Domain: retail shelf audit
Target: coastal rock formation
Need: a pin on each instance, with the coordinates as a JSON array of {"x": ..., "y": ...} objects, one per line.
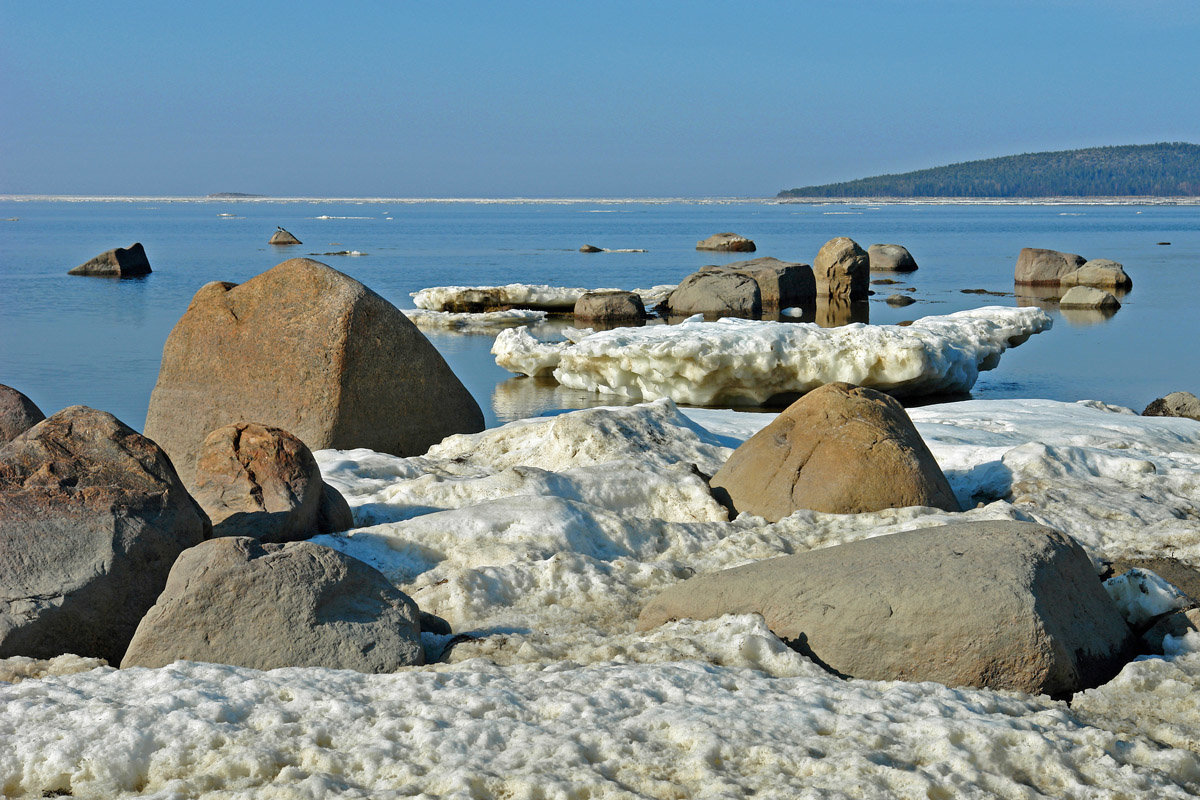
[
  {"x": 264, "y": 483},
  {"x": 17, "y": 414},
  {"x": 891, "y": 258},
  {"x": 727, "y": 242},
  {"x": 1025, "y": 611},
  {"x": 92, "y": 515},
  {"x": 842, "y": 269},
  {"x": 841, "y": 449},
  {"x": 304, "y": 348},
  {"x": 732, "y": 289},
  {"x": 899, "y": 300},
  {"x": 610, "y": 307},
  {"x": 242, "y": 602},
  {"x": 1176, "y": 404},
  {"x": 1101, "y": 273},
  {"x": 1088, "y": 297},
  {"x": 1036, "y": 266},
  {"x": 121, "y": 262},
  {"x": 283, "y": 237}
]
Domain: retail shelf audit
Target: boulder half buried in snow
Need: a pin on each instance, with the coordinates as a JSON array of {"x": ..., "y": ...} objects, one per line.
[
  {"x": 1002, "y": 605},
  {"x": 304, "y": 348},
  {"x": 841, "y": 449}
]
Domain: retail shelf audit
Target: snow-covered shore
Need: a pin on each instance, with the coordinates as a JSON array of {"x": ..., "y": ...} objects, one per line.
[{"x": 541, "y": 540}]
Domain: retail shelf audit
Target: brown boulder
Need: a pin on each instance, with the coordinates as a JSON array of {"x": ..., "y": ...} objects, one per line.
[
  {"x": 610, "y": 307},
  {"x": 841, "y": 449},
  {"x": 120, "y": 262},
  {"x": 304, "y": 348},
  {"x": 842, "y": 269},
  {"x": 1175, "y": 404},
  {"x": 1101, "y": 273},
  {"x": 283, "y": 237},
  {"x": 92, "y": 515},
  {"x": 727, "y": 242},
  {"x": 1045, "y": 267},
  {"x": 17, "y": 414},
  {"x": 264, "y": 483},
  {"x": 1002, "y": 605}
]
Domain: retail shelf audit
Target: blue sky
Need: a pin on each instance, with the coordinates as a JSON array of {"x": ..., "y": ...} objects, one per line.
[{"x": 571, "y": 99}]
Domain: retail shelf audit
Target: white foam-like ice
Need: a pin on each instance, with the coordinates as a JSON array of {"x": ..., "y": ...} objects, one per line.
[
  {"x": 748, "y": 361},
  {"x": 525, "y": 295},
  {"x": 484, "y": 322}
]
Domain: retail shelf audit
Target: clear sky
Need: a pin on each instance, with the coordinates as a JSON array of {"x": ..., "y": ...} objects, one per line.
[{"x": 458, "y": 99}]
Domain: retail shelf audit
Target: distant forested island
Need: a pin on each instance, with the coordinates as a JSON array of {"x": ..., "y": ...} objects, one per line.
[{"x": 1168, "y": 169}]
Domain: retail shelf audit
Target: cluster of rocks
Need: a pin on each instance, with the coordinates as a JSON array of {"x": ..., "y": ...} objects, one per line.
[
  {"x": 115, "y": 547},
  {"x": 1079, "y": 282}
]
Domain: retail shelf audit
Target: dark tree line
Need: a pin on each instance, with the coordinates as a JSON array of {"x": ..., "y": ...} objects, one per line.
[{"x": 1162, "y": 170}]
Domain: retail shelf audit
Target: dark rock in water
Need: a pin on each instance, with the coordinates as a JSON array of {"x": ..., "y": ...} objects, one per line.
[
  {"x": 282, "y": 237},
  {"x": 304, "y": 348},
  {"x": 985, "y": 291},
  {"x": 884, "y": 282},
  {"x": 589, "y": 248},
  {"x": 1046, "y": 267},
  {"x": 1023, "y": 610},
  {"x": 1162, "y": 243},
  {"x": 92, "y": 515},
  {"x": 17, "y": 414},
  {"x": 899, "y": 300},
  {"x": 265, "y": 606},
  {"x": 743, "y": 289},
  {"x": 782, "y": 284},
  {"x": 842, "y": 270},
  {"x": 891, "y": 258},
  {"x": 609, "y": 307},
  {"x": 727, "y": 242},
  {"x": 841, "y": 449},
  {"x": 264, "y": 483},
  {"x": 120, "y": 262},
  {"x": 1176, "y": 404}
]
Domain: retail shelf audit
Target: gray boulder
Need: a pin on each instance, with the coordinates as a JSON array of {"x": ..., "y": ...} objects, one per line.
[
  {"x": 92, "y": 515},
  {"x": 262, "y": 482},
  {"x": 17, "y": 414},
  {"x": 1046, "y": 267},
  {"x": 304, "y": 348},
  {"x": 842, "y": 269},
  {"x": 891, "y": 258},
  {"x": 1002, "y": 605},
  {"x": 841, "y": 449},
  {"x": 1176, "y": 404},
  {"x": 781, "y": 284},
  {"x": 591, "y": 248},
  {"x": 610, "y": 307},
  {"x": 1088, "y": 297},
  {"x": 727, "y": 242},
  {"x": 121, "y": 262},
  {"x": 242, "y": 602},
  {"x": 282, "y": 237},
  {"x": 1100, "y": 273},
  {"x": 899, "y": 300},
  {"x": 716, "y": 293}
]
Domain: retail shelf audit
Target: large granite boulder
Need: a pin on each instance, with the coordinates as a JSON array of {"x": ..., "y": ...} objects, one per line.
[
  {"x": 121, "y": 262},
  {"x": 304, "y": 348},
  {"x": 716, "y": 293},
  {"x": 1101, "y": 273},
  {"x": 92, "y": 515},
  {"x": 242, "y": 602},
  {"x": 1088, "y": 297},
  {"x": 610, "y": 307},
  {"x": 1001, "y": 605},
  {"x": 282, "y": 237},
  {"x": 1176, "y": 404},
  {"x": 842, "y": 269},
  {"x": 781, "y": 284},
  {"x": 841, "y": 449},
  {"x": 727, "y": 242},
  {"x": 1036, "y": 266},
  {"x": 262, "y": 482},
  {"x": 891, "y": 258},
  {"x": 17, "y": 413}
]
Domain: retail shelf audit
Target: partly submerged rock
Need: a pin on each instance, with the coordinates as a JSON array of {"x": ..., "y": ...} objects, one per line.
[
  {"x": 304, "y": 348},
  {"x": 17, "y": 414},
  {"x": 1101, "y": 273},
  {"x": 120, "y": 262},
  {"x": 743, "y": 289},
  {"x": 1045, "y": 267},
  {"x": 841, "y": 449},
  {"x": 92, "y": 515},
  {"x": 591, "y": 248},
  {"x": 610, "y": 307},
  {"x": 262, "y": 482},
  {"x": 899, "y": 300},
  {"x": 727, "y": 242},
  {"x": 283, "y": 237},
  {"x": 1088, "y": 297},
  {"x": 891, "y": 258},
  {"x": 1002, "y": 605},
  {"x": 242, "y": 602},
  {"x": 842, "y": 269},
  {"x": 1176, "y": 404}
]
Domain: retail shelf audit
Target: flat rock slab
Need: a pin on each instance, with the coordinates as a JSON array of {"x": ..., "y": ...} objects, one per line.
[
  {"x": 120, "y": 262},
  {"x": 1088, "y": 297},
  {"x": 1001, "y": 605},
  {"x": 92, "y": 515},
  {"x": 264, "y": 606}
]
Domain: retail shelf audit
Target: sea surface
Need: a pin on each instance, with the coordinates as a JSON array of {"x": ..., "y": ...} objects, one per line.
[{"x": 66, "y": 340}]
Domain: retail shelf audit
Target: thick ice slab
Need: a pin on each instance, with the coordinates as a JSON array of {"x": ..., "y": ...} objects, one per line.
[
  {"x": 485, "y": 322},
  {"x": 745, "y": 361},
  {"x": 524, "y": 295}
]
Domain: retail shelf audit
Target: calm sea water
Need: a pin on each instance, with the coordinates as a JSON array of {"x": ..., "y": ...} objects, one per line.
[{"x": 67, "y": 340}]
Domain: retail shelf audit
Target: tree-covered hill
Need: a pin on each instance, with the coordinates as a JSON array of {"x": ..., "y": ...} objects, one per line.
[{"x": 1162, "y": 170}]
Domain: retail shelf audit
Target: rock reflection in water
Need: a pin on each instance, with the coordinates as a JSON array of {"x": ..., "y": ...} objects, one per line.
[
  {"x": 1083, "y": 317},
  {"x": 834, "y": 312}
]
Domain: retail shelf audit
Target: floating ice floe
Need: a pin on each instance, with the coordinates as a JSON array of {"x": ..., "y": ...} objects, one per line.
[
  {"x": 485, "y": 322},
  {"x": 739, "y": 361},
  {"x": 523, "y": 295},
  {"x": 543, "y": 538}
]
